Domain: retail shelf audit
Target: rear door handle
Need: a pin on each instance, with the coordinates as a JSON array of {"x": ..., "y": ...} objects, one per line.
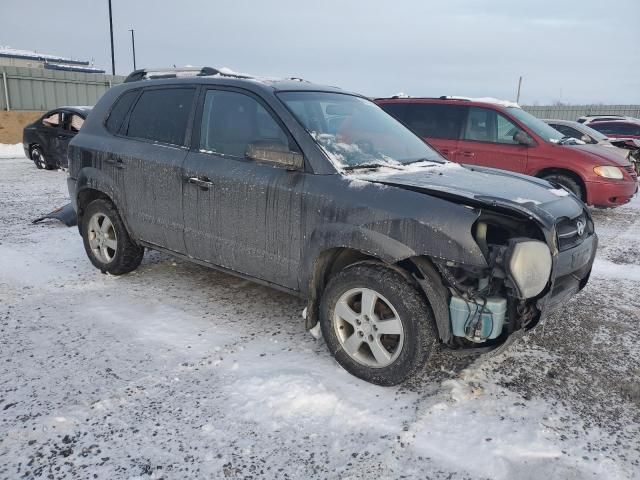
[
  {"x": 117, "y": 162},
  {"x": 203, "y": 182},
  {"x": 468, "y": 154}
]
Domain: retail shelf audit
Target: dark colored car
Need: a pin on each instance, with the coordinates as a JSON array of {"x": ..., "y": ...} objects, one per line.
[
  {"x": 46, "y": 140},
  {"x": 320, "y": 193},
  {"x": 500, "y": 134},
  {"x": 617, "y": 128}
]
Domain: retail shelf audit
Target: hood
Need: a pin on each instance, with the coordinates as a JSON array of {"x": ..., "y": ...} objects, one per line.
[
  {"x": 526, "y": 195},
  {"x": 604, "y": 155}
]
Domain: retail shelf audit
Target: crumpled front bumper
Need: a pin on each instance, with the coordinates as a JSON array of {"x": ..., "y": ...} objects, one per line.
[{"x": 571, "y": 271}]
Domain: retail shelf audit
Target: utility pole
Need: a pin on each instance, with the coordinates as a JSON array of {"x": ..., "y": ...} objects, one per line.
[
  {"x": 113, "y": 58},
  {"x": 133, "y": 47},
  {"x": 519, "y": 85}
]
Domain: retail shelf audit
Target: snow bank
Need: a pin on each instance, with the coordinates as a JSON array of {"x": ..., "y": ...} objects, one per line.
[{"x": 11, "y": 151}]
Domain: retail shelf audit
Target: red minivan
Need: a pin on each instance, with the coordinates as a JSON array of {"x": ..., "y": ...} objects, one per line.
[{"x": 499, "y": 134}]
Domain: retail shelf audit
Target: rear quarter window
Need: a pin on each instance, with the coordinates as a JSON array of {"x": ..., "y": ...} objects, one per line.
[
  {"x": 119, "y": 111},
  {"x": 161, "y": 115}
]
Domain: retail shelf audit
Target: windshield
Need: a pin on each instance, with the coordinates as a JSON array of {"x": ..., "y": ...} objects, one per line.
[
  {"x": 598, "y": 136},
  {"x": 355, "y": 132},
  {"x": 540, "y": 128}
]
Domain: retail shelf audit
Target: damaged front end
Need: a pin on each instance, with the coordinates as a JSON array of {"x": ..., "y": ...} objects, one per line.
[{"x": 533, "y": 265}]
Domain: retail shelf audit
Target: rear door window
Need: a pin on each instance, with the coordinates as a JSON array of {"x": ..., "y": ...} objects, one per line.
[
  {"x": 434, "y": 120},
  {"x": 231, "y": 121},
  {"x": 76, "y": 123},
  {"x": 161, "y": 115}
]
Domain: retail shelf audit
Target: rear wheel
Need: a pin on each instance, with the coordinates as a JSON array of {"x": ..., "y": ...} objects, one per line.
[
  {"x": 39, "y": 159},
  {"x": 376, "y": 324},
  {"x": 567, "y": 182},
  {"x": 107, "y": 241}
]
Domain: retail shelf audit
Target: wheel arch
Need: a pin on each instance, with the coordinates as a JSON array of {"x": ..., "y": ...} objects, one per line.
[
  {"x": 92, "y": 184},
  {"x": 564, "y": 171},
  {"x": 417, "y": 270}
]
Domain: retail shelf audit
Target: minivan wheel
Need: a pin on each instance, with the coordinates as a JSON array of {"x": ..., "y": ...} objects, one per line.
[
  {"x": 376, "y": 324},
  {"x": 567, "y": 182},
  {"x": 39, "y": 159},
  {"x": 107, "y": 241}
]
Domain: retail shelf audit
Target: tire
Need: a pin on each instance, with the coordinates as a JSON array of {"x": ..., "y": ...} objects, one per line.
[
  {"x": 107, "y": 241},
  {"x": 568, "y": 182},
  {"x": 411, "y": 332},
  {"x": 39, "y": 159}
]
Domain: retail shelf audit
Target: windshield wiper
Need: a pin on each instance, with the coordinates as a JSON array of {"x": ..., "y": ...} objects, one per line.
[
  {"x": 370, "y": 166},
  {"x": 421, "y": 160}
]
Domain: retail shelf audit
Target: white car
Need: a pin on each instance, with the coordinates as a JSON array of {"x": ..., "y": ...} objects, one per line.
[{"x": 601, "y": 118}]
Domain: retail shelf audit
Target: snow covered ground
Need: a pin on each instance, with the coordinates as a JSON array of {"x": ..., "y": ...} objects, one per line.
[{"x": 176, "y": 371}]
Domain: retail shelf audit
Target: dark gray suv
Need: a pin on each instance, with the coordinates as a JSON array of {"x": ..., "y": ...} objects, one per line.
[{"x": 320, "y": 193}]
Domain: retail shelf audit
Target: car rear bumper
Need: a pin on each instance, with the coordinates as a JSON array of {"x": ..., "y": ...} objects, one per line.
[{"x": 610, "y": 194}]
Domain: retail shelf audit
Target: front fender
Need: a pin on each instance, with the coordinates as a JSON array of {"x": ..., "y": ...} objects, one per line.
[{"x": 380, "y": 240}]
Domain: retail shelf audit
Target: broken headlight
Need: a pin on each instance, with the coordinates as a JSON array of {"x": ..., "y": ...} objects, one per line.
[{"x": 529, "y": 265}]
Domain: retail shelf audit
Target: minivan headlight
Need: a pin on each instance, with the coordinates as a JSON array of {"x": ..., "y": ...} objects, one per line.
[
  {"x": 529, "y": 265},
  {"x": 608, "y": 172}
]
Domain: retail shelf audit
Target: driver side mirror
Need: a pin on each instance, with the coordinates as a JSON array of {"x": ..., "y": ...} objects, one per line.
[
  {"x": 523, "y": 138},
  {"x": 275, "y": 153}
]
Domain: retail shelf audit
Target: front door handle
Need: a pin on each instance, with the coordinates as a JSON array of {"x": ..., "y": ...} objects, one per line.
[
  {"x": 468, "y": 154},
  {"x": 203, "y": 182}
]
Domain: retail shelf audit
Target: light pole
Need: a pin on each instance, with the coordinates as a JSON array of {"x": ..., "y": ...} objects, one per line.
[
  {"x": 113, "y": 58},
  {"x": 133, "y": 47}
]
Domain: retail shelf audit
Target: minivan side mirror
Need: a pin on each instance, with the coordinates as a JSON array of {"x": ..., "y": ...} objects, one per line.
[
  {"x": 275, "y": 153},
  {"x": 523, "y": 138}
]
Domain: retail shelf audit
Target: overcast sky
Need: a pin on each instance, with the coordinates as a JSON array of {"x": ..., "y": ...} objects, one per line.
[{"x": 577, "y": 51}]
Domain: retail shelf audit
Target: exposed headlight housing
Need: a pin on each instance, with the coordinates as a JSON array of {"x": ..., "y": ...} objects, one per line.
[
  {"x": 529, "y": 265},
  {"x": 608, "y": 172}
]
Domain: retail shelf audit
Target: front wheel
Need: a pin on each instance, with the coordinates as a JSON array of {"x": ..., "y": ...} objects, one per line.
[
  {"x": 567, "y": 182},
  {"x": 107, "y": 241},
  {"x": 376, "y": 324}
]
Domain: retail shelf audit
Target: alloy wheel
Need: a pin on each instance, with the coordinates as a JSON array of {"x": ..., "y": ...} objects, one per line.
[
  {"x": 368, "y": 327},
  {"x": 102, "y": 237}
]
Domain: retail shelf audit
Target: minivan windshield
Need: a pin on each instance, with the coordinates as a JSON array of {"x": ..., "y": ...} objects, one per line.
[
  {"x": 355, "y": 132},
  {"x": 547, "y": 132}
]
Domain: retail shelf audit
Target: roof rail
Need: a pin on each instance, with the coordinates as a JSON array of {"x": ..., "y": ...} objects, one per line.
[{"x": 155, "y": 74}]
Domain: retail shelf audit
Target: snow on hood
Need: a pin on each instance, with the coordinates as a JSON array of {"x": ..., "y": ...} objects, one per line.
[{"x": 480, "y": 184}]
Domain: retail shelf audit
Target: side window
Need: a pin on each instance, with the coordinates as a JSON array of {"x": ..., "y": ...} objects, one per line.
[
  {"x": 506, "y": 129},
  {"x": 396, "y": 110},
  {"x": 486, "y": 125},
  {"x": 76, "y": 123},
  {"x": 231, "y": 121},
  {"x": 435, "y": 121},
  {"x": 52, "y": 120},
  {"x": 568, "y": 131},
  {"x": 161, "y": 115},
  {"x": 119, "y": 111}
]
